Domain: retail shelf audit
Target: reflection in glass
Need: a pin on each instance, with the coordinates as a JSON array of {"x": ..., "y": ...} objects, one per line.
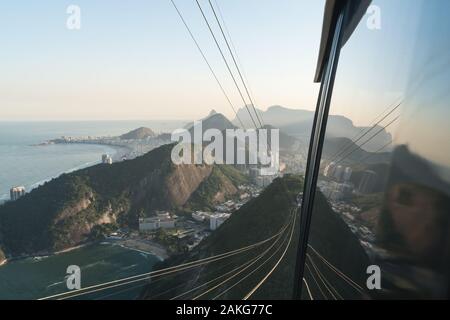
[{"x": 383, "y": 193}]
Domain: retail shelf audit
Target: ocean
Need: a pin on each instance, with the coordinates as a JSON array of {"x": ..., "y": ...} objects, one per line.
[
  {"x": 35, "y": 278},
  {"x": 24, "y": 163}
]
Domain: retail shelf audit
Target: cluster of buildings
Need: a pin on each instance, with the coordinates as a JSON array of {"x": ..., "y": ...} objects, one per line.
[
  {"x": 217, "y": 219},
  {"x": 161, "y": 220},
  {"x": 349, "y": 213},
  {"x": 293, "y": 163},
  {"x": 339, "y": 191},
  {"x": 367, "y": 182},
  {"x": 16, "y": 192},
  {"x": 336, "y": 191},
  {"x": 224, "y": 210},
  {"x": 261, "y": 180},
  {"x": 214, "y": 219},
  {"x": 337, "y": 172},
  {"x": 185, "y": 233},
  {"x": 339, "y": 187}
]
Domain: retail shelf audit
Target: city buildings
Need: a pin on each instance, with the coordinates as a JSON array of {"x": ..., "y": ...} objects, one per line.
[
  {"x": 347, "y": 174},
  {"x": 217, "y": 219},
  {"x": 336, "y": 191},
  {"x": 367, "y": 182},
  {"x": 329, "y": 170},
  {"x": 259, "y": 179},
  {"x": 16, "y": 192},
  {"x": 162, "y": 220},
  {"x": 200, "y": 216},
  {"x": 337, "y": 172}
]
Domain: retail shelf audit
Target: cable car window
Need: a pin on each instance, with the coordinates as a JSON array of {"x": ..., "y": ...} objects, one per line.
[{"x": 380, "y": 219}]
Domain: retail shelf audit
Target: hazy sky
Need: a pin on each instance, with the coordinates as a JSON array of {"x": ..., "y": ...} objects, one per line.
[
  {"x": 406, "y": 60},
  {"x": 134, "y": 59}
]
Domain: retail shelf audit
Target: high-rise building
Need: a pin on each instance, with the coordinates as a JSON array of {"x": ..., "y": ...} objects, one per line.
[
  {"x": 338, "y": 173},
  {"x": 367, "y": 183},
  {"x": 329, "y": 170},
  {"x": 16, "y": 192},
  {"x": 347, "y": 174},
  {"x": 106, "y": 159},
  {"x": 162, "y": 220},
  {"x": 217, "y": 219}
]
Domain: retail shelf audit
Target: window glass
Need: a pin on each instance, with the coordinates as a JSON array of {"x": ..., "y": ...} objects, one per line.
[
  {"x": 380, "y": 220},
  {"x": 102, "y": 110}
]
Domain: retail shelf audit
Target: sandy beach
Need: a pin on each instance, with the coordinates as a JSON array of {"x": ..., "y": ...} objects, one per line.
[{"x": 145, "y": 246}]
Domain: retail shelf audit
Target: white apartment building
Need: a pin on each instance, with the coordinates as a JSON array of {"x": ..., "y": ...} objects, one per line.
[
  {"x": 106, "y": 159},
  {"x": 217, "y": 219},
  {"x": 16, "y": 192},
  {"x": 161, "y": 221}
]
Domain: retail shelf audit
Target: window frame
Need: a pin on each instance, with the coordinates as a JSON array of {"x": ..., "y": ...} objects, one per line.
[{"x": 340, "y": 20}]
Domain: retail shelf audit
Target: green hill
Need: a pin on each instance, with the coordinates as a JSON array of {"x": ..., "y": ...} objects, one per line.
[
  {"x": 139, "y": 133},
  {"x": 260, "y": 219},
  {"x": 65, "y": 211}
]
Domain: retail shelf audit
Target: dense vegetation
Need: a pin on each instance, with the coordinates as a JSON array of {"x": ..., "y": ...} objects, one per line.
[
  {"x": 64, "y": 211},
  {"x": 259, "y": 219},
  {"x": 222, "y": 181},
  {"x": 139, "y": 133}
]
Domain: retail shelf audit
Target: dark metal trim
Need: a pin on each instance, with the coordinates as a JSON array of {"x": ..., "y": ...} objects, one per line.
[
  {"x": 315, "y": 148},
  {"x": 329, "y": 22},
  {"x": 356, "y": 10}
]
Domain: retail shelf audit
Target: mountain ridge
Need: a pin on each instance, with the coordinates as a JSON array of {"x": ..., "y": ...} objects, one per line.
[
  {"x": 62, "y": 213},
  {"x": 139, "y": 133},
  {"x": 298, "y": 124}
]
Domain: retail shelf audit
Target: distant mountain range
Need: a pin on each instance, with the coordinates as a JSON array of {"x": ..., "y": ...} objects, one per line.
[
  {"x": 63, "y": 212},
  {"x": 213, "y": 121},
  {"x": 218, "y": 121},
  {"x": 346, "y": 151},
  {"x": 139, "y": 133},
  {"x": 298, "y": 123}
]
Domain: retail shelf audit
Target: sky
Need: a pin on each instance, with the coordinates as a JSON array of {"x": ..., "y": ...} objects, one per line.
[
  {"x": 406, "y": 60},
  {"x": 134, "y": 59}
]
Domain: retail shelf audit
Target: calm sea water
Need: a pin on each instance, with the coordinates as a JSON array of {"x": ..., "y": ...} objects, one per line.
[
  {"x": 35, "y": 278},
  {"x": 21, "y": 163}
]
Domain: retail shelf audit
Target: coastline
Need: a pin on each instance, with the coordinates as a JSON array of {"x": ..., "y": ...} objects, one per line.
[
  {"x": 144, "y": 246},
  {"x": 119, "y": 153},
  {"x": 135, "y": 244},
  {"x": 72, "y": 248},
  {"x": 45, "y": 254}
]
